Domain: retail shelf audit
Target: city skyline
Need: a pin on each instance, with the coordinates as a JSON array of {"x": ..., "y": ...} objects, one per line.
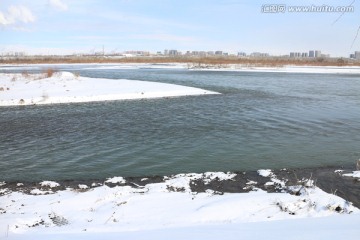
[{"x": 67, "y": 27}]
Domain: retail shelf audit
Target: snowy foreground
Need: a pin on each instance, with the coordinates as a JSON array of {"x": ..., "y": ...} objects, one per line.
[
  {"x": 65, "y": 87},
  {"x": 170, "y": 210}
]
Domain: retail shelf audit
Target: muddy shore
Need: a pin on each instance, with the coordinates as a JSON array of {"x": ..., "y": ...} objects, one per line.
[{"x": 329, "y": 179}]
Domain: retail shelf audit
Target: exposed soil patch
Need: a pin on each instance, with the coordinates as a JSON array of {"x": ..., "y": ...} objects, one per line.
[{"x": 325, "y": 178}]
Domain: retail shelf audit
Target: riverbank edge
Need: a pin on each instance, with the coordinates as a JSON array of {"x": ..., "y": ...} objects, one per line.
[{"x": 330, "y": 179}]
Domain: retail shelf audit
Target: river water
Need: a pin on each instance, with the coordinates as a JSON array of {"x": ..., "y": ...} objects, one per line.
[{"x": 260, "y": 120}]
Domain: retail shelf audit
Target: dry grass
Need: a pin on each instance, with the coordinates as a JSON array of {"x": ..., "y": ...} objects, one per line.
[
  {"x": 49, "y": 72},
  {"x": 193, "y": 60}
]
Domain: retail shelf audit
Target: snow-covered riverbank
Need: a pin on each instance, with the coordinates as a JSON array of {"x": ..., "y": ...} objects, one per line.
[
  {"x": 65, "y": 87},
  {"x": 171, "y": 209}
]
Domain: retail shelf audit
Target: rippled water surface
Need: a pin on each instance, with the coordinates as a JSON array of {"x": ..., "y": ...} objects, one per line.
[{"x": 261, "y": 120}]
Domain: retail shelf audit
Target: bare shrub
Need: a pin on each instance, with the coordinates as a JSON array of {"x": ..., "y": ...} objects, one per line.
[{"x": 49, "y": 72}]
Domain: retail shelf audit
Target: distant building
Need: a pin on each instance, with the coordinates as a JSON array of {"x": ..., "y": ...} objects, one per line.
[
  {"x": 19, "y": 54},
  {"x": 352, "y": 56},
  {"x": 218, "y": 53},
  {"x": 357, "y": 55},
  {"x": 210, "y": 53},
  {"x": 166, "y": 52},
  {"x": 202, "y": 53},
  {"x": 297, "y": 54},
  {"x": 304, "y": 55},
  {"x": 317, "y": 54},
  {"x": 136, "y": 53},
  {"x": 311, "y": 54},
  {"x": 241, "y": 54},
  {"x": 259, "y": 54},
  {"x": 173, "y": 52}
]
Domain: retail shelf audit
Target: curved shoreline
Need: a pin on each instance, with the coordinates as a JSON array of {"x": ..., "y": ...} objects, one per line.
[
  {"x": 329, "y": 179},
  {"x": 184, "y": 200},
  {"x": 65, "y": 87},
  {"x": 288, "y": 68}
]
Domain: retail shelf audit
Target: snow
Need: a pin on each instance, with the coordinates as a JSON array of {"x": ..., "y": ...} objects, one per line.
[
  {"x": 337, "y": 227},
  {"x": 280, "y": 184},
  {"x": 227, "y": 67},
  {"x": 265, "y": 172},
  {"x": 210, "y": 176},
  {"x": 251, "y": 183},
  {"x": 354, "y": 174},
  {"x": 139, "y": 66},
  {"x": 116, "y": 180},
  {"x": 269, "y": 184},
  {"x": 50, "y": 184},
  {"x": 4, "y": 191},
  {"x": 170, "y": 208},
  {"x": 83, "y": 186},
  {"x": 65, "y": 87},
  {"x": 40, "y": 192},
  {"x": 282, "y": 69}
]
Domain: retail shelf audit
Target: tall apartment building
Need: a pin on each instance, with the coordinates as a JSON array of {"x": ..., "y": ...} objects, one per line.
[
  {"x": 312, "y": 53},
  {"x": 357, "y": 55},
  {"x": 298, "y": 55},
  {"x": 173, "y": 52},
  {"x": 318, "y": 54}
]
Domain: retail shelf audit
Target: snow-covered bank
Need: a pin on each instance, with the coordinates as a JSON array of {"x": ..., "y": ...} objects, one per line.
[
  {"x": 171, "y": 208},
  {"x": 354, "y": 174},
  {"x": 65, "y": 87},
  {"x": 281, "y": 69},
  {"x": 233, "y": 67},
  {"x": 190, "y": 66}
]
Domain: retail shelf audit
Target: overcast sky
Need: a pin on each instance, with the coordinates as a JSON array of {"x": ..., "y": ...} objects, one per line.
[{"x": 67, "y": 26}]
